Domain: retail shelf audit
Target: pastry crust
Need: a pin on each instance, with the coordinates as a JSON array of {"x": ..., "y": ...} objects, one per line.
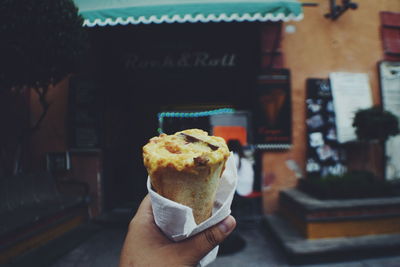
[{"x": 186, "y": 167}]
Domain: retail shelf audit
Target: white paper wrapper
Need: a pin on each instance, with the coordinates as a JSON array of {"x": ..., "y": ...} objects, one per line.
[{"x": 177, "y": 221}]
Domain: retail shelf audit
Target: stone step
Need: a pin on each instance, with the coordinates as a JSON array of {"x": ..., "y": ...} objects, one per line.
[
  {"x": 300, "y": 250},
  {"x": 306, "y": 204}
]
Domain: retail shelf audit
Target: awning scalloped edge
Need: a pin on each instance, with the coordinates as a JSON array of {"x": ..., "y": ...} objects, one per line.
[{"x": 193, "y": 19}]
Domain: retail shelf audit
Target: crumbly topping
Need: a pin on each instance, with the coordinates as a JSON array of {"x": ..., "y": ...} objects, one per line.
[{"x": 184, "y": 150}]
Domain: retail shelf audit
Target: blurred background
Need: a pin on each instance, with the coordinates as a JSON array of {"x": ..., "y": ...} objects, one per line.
[{"x": 309, "y": 91}]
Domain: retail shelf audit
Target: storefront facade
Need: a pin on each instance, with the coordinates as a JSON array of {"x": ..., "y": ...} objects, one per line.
[{"x": 311, "y": 48}]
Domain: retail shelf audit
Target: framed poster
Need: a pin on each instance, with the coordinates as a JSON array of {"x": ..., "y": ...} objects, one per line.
[
  {"x": 272, "y": 110},
  {"x": 389, "y": 78},
  {"x": 84, "y": 113},
  {"x": 325, "y": 156}
]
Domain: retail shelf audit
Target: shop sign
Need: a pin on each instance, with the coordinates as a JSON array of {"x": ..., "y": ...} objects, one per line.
[{"x": 201, "y": 59}]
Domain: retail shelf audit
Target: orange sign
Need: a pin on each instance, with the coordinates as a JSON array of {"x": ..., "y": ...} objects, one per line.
[{"x": 231, "y": 132}]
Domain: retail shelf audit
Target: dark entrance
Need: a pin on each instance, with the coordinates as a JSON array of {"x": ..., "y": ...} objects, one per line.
[{"x": 142, "y": 70}]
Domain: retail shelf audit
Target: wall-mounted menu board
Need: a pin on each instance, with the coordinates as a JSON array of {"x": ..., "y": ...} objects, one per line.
[
  {"x": 389, "y": 74},
  {"x": 324, "y": 154},
  {"x": 351, "y": 92},
  {"x": 272, "y": 110}
]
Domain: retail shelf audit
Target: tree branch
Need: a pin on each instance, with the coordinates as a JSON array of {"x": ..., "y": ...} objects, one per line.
[{"x": 42, "y": 92}]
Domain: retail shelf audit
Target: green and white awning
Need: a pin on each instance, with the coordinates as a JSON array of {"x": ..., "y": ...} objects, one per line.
[{"x": 123, "y": 12}]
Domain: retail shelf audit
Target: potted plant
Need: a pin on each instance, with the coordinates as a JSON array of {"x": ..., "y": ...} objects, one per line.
[{"x": 373, "y": 126}]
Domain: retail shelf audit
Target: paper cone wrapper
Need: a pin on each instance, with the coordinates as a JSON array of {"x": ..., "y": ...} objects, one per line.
[{"x": 178, "y": 222}]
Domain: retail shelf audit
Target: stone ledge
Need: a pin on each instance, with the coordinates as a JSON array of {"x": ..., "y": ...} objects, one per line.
[
  {"x": 309, "y": 209},
  {"x": 313, "y": 204},
  {"x": 300, "y": 250}
]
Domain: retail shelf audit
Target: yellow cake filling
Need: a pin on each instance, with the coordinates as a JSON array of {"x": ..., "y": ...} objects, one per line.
[{"x": 184, "y": 150}]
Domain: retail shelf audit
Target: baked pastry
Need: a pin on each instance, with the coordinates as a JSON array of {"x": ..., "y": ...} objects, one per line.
[{"x": 186, "y": 168}]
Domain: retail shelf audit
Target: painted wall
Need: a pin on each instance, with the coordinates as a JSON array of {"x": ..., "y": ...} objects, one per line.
[{"x": 317, "y": 47}]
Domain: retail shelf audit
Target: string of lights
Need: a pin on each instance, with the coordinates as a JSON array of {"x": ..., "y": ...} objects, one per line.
[{"x": 198, "y": 114}]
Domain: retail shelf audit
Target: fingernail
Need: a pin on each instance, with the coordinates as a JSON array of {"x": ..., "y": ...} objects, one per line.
[{"x": 227, "y": 224}]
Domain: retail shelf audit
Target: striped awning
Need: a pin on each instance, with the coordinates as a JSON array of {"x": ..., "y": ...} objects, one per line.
[{"x": 123, "y": 12}]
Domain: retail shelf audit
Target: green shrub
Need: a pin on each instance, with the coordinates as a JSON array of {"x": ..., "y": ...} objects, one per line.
[
  {"x": 354, "y": 184},
  {"x": 375, "y": 124}
]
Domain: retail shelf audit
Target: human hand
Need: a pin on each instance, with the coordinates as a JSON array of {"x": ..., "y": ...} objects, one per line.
[{"x": 146, "y": 245}]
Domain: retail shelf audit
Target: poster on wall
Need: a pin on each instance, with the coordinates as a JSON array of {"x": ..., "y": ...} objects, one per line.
[
  {"x": 324, "y": 153},
  {"x": 272, "y": 110},
  {"x": 84, "y": 116},
  {"x": 350, "y": 92},
  {"x": 389, "y": 74}
]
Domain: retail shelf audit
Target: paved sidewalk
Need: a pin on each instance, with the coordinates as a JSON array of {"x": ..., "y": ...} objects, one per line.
[{"x": 103, "y": 248}]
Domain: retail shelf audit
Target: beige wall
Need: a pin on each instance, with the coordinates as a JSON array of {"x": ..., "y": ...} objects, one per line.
[{"x": 317, "y": 47}]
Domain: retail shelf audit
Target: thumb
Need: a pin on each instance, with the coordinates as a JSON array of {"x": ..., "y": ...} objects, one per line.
[{"x": 196, "y": 247}]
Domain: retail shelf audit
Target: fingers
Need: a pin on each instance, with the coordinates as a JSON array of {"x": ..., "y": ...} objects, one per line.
[
  {"x": 195, "y": 248},
  {"x": 143, "y": 226}
]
